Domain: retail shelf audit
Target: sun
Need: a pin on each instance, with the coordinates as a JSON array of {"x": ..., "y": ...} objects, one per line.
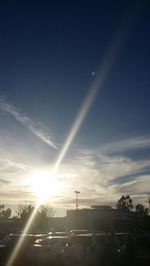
[{"x": 45, "y": 184}]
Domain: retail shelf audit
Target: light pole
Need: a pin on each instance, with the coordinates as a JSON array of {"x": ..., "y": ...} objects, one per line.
[{"x": 77, "y": 193}]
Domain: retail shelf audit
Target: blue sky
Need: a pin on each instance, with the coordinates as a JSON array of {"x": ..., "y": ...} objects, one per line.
[{"x": 48, "y": 54}]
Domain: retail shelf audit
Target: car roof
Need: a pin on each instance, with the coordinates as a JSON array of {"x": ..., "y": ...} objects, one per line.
[
  {"x": 82, "y": 235},
  {"x": 20, "y": 234},
  {"x": 56, "y": 237}
]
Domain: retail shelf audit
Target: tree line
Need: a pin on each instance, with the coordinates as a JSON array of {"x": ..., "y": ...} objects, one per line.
[
  {"x": 25, "y": 210},
  {"x": 125, "y": 203}
]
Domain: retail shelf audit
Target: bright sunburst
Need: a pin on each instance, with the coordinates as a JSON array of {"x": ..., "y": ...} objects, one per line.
[{"x": 45, "y": 184}]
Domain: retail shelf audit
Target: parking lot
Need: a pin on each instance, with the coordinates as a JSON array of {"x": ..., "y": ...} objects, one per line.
[{"x": 83, "y": 249}]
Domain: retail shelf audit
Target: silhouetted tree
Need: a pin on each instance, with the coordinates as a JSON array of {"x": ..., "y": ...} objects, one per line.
[
  {"x": 125, "y": 203},
  {"x": 41, "y": 217},
  {"x": 7, "y": 213},
  {"x": 45, "y": 212},
  {"x": 48, "y": 210},
  {"x": 140, "y": 209},
  {"x": 26, "y": 212}
]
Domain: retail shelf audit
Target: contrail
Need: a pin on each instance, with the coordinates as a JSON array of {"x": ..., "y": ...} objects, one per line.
[
  {"x": 29, "y": 123},
  {"x": 108, "y": 61}
]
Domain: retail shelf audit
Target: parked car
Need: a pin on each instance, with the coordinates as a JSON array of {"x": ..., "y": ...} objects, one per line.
[
  {"x": 98, "y": 249},
  {"x": 8, "y": 243},
  {"x": 46, "y": 250}
]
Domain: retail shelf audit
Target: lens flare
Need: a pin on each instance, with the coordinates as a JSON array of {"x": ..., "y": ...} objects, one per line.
[
  {"x": 21, "y": 240},
  {"x": 45, "y": 185},
  {"x": 108, "y": 61}
]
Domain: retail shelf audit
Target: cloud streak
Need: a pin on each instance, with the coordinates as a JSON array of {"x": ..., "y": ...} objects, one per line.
[
  {"x": 7, "y": 163},
  {"x": 2, "y": 181},
  {"x": 29, "y": 123},
  {"x": 129, "y": 144},
  {"x": 100, "y": 177}
]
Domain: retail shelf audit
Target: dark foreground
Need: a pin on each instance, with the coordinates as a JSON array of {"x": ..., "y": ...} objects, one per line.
[{"x": 82, "y": 249}]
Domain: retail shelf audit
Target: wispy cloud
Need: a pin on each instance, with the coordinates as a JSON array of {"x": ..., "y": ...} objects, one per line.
[
  {"x": 28, "y": 122},
  {"x": 101, "y": 177},
  {"x": 2, "y": 181},
  {"x": 11, "y": 172},
  {"x": 15, "y": 196},
  {"x": 6, "y": 163},
  {"x": 128, "y": 144}
]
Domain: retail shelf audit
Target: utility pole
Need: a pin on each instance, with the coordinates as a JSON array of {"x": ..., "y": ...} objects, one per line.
[{"x": 77, "y": 193}]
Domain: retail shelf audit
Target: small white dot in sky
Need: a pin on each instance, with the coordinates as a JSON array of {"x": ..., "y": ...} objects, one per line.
[{"x": 93, "y": 73}]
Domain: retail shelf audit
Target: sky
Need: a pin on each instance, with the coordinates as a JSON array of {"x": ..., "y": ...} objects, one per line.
[{"x": 74, "y": 97}]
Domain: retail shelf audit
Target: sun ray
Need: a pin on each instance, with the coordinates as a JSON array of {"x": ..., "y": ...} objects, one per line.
[
  {"x": 109, "y": 58},
  {"x": 21, "y": 240}
]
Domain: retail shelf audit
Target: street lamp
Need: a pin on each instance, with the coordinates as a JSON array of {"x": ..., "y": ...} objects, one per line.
[{"x": 77, "y": 193}]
